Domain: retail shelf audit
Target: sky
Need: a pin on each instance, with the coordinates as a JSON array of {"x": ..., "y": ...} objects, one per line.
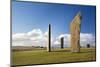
[{"x": 30, "y": 22}]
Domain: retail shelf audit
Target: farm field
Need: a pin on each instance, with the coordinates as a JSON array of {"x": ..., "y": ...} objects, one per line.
[{"x": 56, "y": 56}]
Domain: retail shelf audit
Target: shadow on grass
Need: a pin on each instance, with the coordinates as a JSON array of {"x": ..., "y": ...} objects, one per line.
[
  {"x": 87, "y": 52},
  {"x": 72, "y": 52},
  {"x": 61, "y": 51}
]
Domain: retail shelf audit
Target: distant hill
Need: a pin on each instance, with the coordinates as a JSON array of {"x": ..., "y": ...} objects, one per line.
[{"x": 26, "y": 48}]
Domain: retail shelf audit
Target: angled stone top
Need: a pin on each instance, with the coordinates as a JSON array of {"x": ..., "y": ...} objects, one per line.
[{"x": 77, "y": 17}]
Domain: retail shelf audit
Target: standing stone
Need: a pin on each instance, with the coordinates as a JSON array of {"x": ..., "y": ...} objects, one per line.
[
  {"x": 62, "y": 42},
  {"x": 49, "y": 39},
  {"x": 75, "y": 33}
]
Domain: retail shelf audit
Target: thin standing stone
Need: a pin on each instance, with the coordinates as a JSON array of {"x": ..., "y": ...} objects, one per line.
[
  {"x": 49, "y": 39},
  {"x": 62, "y": 42}
]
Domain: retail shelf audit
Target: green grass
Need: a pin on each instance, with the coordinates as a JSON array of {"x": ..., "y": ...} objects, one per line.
[{"x": 56, "y": 56}]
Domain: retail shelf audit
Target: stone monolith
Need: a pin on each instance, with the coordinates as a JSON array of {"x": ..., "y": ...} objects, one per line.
[
  {"x": 75, "y": 33},
  {"x": 49, "y": 39},
  {"x": 62, "y": 42}
]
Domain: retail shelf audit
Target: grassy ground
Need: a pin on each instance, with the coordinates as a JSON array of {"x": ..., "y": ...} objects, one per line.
[{"x": 56, "y": 56}]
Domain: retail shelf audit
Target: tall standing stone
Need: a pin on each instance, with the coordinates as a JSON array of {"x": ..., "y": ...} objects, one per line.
[
  {"x": 62, "y": 42},
  {"x": 75, "y": 33},
  {"x": 49, "y": 39}
]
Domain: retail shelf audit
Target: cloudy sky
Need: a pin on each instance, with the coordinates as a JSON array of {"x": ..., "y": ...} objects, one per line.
[{"x": 30, "y": 23}]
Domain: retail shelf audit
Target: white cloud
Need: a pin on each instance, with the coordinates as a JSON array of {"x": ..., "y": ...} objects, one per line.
[
  {"x": 85, "y": 38},
  {"x": 38, "y": 38},
  {"x": 35, "y": 34},
  {"x": 32, "y": 38},
  {"x": 66, "y": 40},
  {"x": 20, "y": 36},
  {"x": 57, "y": 42}
]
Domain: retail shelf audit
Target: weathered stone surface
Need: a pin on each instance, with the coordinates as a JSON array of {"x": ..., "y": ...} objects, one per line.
[
  {"x": 62, "y": 42},
  {"x": 75, "y": 33},
  {"x": 49, "y": 39}
]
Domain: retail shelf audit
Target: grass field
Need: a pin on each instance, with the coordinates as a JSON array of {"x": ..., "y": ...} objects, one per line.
[{"x": 56, "y": 56}]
